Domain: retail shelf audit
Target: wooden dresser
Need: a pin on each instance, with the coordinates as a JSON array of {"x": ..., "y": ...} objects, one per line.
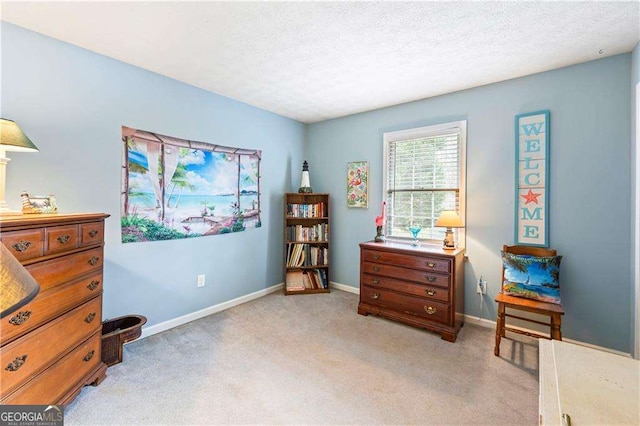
[
  {"x": 420, "y": 286},
  {"x": 50, "y": 347}
]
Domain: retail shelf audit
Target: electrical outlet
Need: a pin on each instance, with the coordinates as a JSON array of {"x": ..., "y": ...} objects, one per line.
[
  {"x": 481, "y": 287},
  {"x": 201, "y": 280}
]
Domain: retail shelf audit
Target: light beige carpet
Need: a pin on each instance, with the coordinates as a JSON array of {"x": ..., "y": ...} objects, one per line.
[{"x": 311, "y": 359}]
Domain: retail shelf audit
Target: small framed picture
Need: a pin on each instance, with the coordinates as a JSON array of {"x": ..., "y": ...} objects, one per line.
[
  {"x": 34, "y": 204},
  {"x": 358, "y": 184}
]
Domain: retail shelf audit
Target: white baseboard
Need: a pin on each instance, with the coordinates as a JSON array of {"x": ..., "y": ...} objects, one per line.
[
  {"x": 175, "y": 322},
  {"x": 468, "y": 319},
  {"x": 344, "y": 287}
]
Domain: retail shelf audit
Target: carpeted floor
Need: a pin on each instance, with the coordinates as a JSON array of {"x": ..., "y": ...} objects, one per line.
[{"x": 311, "y": 359}]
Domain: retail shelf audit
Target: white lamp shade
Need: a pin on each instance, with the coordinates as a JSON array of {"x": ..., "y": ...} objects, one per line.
[{"x": 449, "y": 219}]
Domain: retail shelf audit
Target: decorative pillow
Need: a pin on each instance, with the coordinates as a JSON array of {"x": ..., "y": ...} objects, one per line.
[{"x": 532, "y": 277}]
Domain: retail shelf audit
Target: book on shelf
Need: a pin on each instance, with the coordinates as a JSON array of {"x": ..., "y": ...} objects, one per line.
[
  {"x": 305, "y": 210},
  {"x": 296, "y": 255},
  {"x": 312, "y": 279},
  {"x": 300, "y": 254},
  {"x": 294, "y": 281},
  {"x": 323, "y": 277},
  {"x": 319, "y": 232}
]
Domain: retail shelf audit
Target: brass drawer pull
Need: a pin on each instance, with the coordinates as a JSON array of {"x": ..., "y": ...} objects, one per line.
[
  {"x": 20, "y": 318},
  {"x": 376, "y": 269},
  {"x": 431, "y": 292},
  {"x": 375, "y": 296},
  {"x": 376, "y": 282},
  {"x": 431, "y": 264},
  {"x": 21, "y": 245},
  {"x": 430, "y": 310},
  {"x": 88, "y": 356},
  {"x": 16, "y": 363},
  {"x": 90, "y": 317},
  {"x": 93, "y": 284},
  {"x": 93, "y": 233},
  {"x": 93, "y": 261},
  {"x": 431, "y": 278},
  {"x": 62, "y": 239},
  {"x": 376, "y": 256}
]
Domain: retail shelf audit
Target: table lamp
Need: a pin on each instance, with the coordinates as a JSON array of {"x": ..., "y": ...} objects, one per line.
[
  {"x": 11, "y": 139},
  {"x": 17, "y": 286},
  {"x": 449, "y": 219}
]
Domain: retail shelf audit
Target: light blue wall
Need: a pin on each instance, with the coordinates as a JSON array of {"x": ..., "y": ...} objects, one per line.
[
  {"x": 589, "y": 186},
  {"x": 72, "y": 102}
]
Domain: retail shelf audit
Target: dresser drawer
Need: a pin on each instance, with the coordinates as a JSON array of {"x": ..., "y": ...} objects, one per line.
[
  {"x": 61, "y": 238},
  {"x": 424, "y": 277},
  {"x": 48, "y": 305},
  {"x": 424, "y": 308},
  {"x": 57, "y": 271},
  {"x": 408, "y": 260},
  {"x": 24, "y": 244},
  {"x": 426, "y": 291},
  {"x": 36, "y": 350},
  {"x": 91, "y": 233},
  {"x": 52, "y": 384}
]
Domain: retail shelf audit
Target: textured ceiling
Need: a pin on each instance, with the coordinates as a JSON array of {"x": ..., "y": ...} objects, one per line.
[{"x": 313, "y": 61}]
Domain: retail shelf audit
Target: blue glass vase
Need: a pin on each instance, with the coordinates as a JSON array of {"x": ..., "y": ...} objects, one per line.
[{"x": 415, "y": 230}]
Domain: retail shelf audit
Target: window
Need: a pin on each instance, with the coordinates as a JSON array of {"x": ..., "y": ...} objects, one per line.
[{"x": 424, "y": 175}]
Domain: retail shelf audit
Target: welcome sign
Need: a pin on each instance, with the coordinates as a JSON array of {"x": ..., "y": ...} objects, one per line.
[{"x": 532, "y": 179}]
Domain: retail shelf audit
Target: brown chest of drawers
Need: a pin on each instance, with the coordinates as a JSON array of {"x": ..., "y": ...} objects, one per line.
[
  {"x": 420, "y": 286},
  {"x": 50, "y": 347}
]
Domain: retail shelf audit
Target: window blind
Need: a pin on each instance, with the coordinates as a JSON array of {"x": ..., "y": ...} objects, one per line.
[{"x": 423, "y": 178}]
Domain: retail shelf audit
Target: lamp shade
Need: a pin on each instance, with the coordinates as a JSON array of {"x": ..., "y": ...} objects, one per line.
[
  {"x": 449, "y": 219},
  {"x": 17, "y": 286},
  {"x": 14, "y": 139}
]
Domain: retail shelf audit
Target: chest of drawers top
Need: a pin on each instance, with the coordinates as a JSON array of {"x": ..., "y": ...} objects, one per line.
[
  {"x": 30, "y": 238},
  {"x": 435, "y": 252},
  {"x": 64, "y": 253}
]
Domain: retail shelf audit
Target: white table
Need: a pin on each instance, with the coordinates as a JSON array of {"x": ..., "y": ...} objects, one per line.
[{"x": 587, "y": 386}]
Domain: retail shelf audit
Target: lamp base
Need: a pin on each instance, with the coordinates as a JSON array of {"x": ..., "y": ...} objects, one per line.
[{"x": 448, "y": 243}]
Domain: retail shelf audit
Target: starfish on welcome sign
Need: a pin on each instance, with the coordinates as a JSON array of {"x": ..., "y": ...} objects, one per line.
[{"x": 531, "y": 197}]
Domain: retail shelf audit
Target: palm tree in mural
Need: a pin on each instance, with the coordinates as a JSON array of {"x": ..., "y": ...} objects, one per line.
[
  {"x": 179, "y": 181},
  {"x": 132, "y": 167}
]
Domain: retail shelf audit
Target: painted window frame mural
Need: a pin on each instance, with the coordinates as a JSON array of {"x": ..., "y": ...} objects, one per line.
[{"x": 175, "y": 188}]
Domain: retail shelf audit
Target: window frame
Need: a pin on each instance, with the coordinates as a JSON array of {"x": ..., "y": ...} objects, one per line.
[{"x": 459, "y": 127}]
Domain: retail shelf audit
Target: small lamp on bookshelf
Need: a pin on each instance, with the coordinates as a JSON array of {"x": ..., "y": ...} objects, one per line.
[
  {"x": 305, "y": 186},
  {"x": 449, "y": 219}
]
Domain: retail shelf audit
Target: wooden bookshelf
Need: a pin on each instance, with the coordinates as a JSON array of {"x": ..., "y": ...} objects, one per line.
[{"x": 306, "y": 243}]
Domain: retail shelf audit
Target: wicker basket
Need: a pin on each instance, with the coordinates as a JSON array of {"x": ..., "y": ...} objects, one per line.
[{"x": 118, "y": 331}]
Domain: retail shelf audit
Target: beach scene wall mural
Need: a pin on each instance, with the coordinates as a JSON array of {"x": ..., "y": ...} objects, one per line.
[{"x": 175, "y": 188}]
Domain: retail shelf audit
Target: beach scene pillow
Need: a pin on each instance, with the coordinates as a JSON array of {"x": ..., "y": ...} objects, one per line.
[{"x": 532, "y": 277}]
